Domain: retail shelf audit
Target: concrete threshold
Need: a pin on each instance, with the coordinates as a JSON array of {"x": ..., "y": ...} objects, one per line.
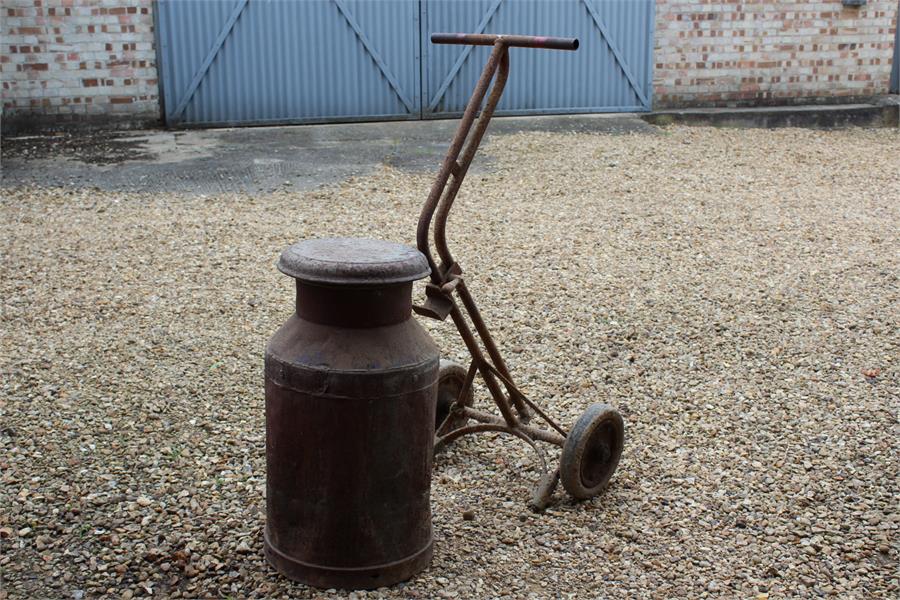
[{"x": 882, "y": 112}]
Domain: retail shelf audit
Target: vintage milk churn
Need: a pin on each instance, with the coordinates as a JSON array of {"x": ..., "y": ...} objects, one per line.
[{"x": 351, "y": 384}]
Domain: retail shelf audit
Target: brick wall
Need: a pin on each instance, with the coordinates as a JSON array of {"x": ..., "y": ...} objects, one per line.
[
  {"x": 726, "y": 52},
  {"x": 77, "y": 60}
]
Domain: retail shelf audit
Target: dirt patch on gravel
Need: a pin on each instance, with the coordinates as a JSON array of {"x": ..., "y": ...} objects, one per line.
[
  {"x": 95, "y": 148},
  {"x": 734, "y": 293}
]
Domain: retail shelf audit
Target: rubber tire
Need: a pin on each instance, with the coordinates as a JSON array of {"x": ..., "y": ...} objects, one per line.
[
  {"x": 451, "y": 377},
  {"x": 592, "y": 451}
]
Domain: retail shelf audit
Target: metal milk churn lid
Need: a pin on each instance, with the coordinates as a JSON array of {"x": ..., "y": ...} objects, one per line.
[{"x": 351, "y": 385}]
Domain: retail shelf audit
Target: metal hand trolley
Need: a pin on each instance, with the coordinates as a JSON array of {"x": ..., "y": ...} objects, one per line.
[{"x": 592, "y": 448}]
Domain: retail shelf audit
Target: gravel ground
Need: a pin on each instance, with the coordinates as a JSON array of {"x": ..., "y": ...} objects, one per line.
[{"x": 734, "y": 293}]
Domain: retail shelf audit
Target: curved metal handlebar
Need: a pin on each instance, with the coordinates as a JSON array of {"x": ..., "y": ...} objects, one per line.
[
  {"x": 447, "y": 276},
  {"x": 518, "y": 41},
  {"x": 463, "y": 147}
]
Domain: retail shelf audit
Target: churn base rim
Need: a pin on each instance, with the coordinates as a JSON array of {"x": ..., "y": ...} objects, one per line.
[{"x": 348, "y": 578}]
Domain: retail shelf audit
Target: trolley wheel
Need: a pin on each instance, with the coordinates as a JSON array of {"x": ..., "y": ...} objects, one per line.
[
  {"x": 592, "y": 451},
  {"x": 451, "y": 378}
]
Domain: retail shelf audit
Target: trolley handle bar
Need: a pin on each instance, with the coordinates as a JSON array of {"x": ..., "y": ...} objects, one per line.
[{"x": 519, "y": 41}]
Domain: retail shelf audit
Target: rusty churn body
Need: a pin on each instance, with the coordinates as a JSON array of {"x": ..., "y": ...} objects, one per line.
[{"x": 351, "y": 385}]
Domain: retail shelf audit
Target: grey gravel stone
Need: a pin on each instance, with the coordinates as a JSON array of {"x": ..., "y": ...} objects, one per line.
[{"x": 734, "y": 293}]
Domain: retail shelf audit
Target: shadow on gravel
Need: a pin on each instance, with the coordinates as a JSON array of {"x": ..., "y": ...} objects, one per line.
[{"x": 258, "y": 159}]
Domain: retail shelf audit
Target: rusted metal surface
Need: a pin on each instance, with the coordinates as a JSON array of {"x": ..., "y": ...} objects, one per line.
[
  {"x": 533, "y": 432},
  {"x": 351, "y": 384},
  {"x": 510, "y": 41},
  {"x": 448, "y": 295},
  {"x": 352, "y": 262}
]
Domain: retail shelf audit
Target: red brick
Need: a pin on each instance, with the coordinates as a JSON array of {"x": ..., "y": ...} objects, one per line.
[
  {"x": 682, "y": 55},
  {"x": 121, "y": 99}
]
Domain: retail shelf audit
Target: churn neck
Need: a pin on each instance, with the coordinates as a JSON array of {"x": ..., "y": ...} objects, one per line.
[
  {"x": 353, "y": 282},
  {"x": 354, "y": 307}
]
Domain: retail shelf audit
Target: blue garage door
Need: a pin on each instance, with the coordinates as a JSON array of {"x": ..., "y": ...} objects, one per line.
[
  {"x": 610, "y": 72},
  {"x": 895, "y": 70},
  {"x": 242, "y": 62},
  {"x": 229, "y": 62}
]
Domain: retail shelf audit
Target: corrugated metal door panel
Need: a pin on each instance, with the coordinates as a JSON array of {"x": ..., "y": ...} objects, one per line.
[
  {"x": 610, "y": 72},
  {"x": 288, "y": 61},
  {"x": 184, "y": 42},
  {"x": 895, "y": 69}
]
